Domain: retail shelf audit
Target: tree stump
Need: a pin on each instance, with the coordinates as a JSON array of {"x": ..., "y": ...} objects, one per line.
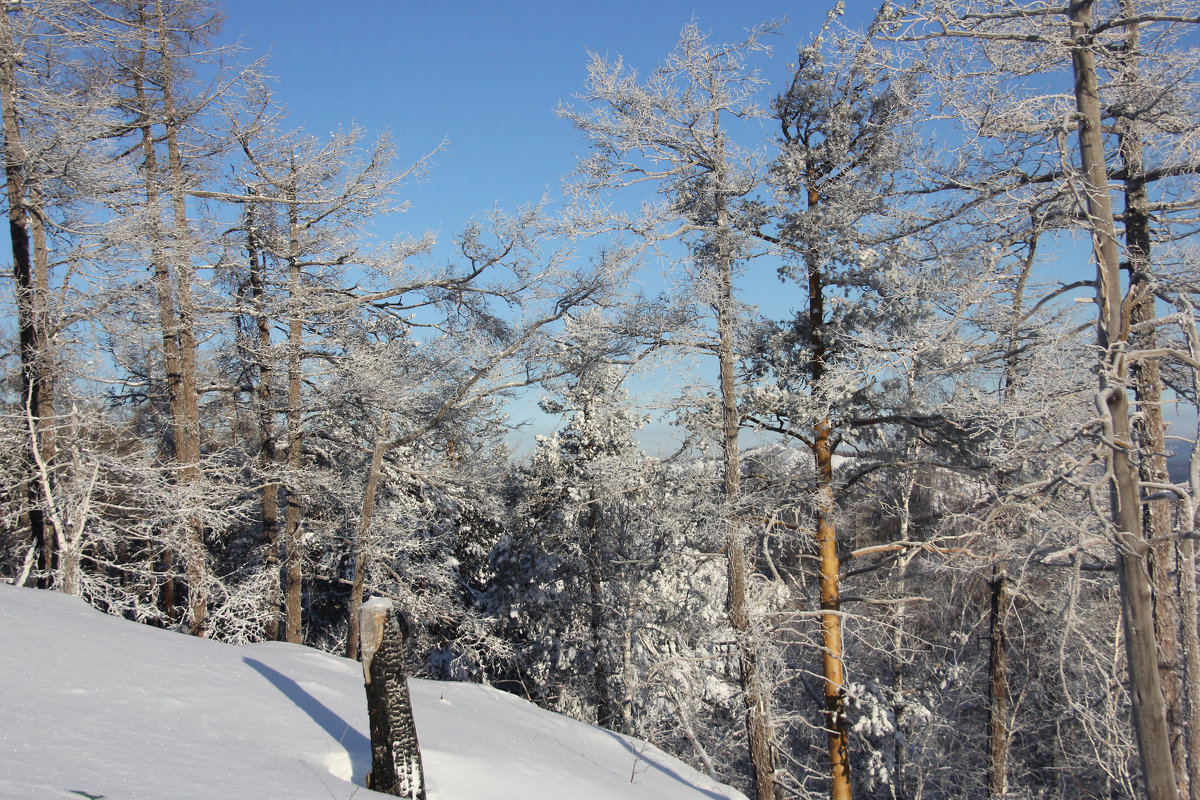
[{"x": 395, "y": 754}]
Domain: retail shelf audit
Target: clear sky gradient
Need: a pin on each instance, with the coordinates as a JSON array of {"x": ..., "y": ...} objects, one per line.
[{"x": 486, "y": 76}]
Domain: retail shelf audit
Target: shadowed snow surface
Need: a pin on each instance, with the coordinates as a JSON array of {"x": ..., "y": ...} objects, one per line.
[{"x": 92, "y": 706}]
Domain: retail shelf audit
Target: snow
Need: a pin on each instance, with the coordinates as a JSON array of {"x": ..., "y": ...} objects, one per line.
[
  {"x": 372, "y": 616},
  {"x": 96, "y": 706}
]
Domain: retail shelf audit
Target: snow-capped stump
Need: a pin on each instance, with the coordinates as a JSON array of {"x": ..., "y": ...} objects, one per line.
[{"x": 395, "y": 754}]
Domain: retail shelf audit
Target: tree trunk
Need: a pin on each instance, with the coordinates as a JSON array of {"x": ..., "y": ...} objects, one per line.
[
  {"x": 31, "y": 284},
  {"x": 294, "y": 572},
  {"x": 607, "y": 714},
  {"x": 1149, "y": 711},
  {"x": 172, "y": 272},
  {"x": 264, "y": 401},
  {"x": 395, "y": 753},
  {"x": 831, "y": 621},
  {"x": 1187, "y": 582},
  {"x": 172, "y": 280},
  {"x": 1151, "y": 443},
  {"x": 628, "y": 671},
  {"x": 187, "y": 445},
  {"x": 1148, "y": 423},
  {"x": 899, "y": 750},
  {"x": 1191, "y": 650},
  {"x": 360, "y": 534},
  {"x": 43, "y": 410},
  {"x": 998, "y": 733},
  {"x": 758, "y": 709},
  {"x": 900, "y": 705},
  {"x": 689, "y": 733},
  {"x": 829, "y": 569}
]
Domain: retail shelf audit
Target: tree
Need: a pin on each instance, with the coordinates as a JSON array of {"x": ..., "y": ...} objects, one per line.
[
  {"x": 307, "y": 201},
  {"x": 841, "y": 142},
  {"x": 608, "y": 581},
  {"x": 32, "y": 286},
  {"x": 581, "y": 538},
  {"x": 63, "y": 166},
  {"x": 671, "y": 131},
  {"x": 56, "y": 162},
  {"x": 151, "y": 51},
  {"x": 1096, "y": 50}
]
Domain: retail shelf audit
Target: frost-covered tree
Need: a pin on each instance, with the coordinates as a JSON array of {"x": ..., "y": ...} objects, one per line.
[
  {"x": 31, "y": 273},
  {"x": 672, "y": 130},
  {"x": 83, "y": 200},
  {"x": 843, "y": 139},
  {"x": 59, "y": 163},
  {"x": 169, "y": 139},
  {"x": 307, "y": 203},
  {"x": 607, "y": 583},
  {"x": 583, "y": 548},
  {"x": 1098, "y": 53},
  {"x": 876, "y": 362}
]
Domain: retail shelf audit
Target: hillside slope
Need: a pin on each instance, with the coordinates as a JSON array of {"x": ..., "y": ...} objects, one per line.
[{"x": 95, "y": 706}]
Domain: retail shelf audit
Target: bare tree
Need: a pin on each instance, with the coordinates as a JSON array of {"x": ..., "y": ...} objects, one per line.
[{"x": 152, "y": 49}]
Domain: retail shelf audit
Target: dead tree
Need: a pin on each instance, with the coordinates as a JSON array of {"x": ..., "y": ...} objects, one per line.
[{"x": 395, "y": 754}]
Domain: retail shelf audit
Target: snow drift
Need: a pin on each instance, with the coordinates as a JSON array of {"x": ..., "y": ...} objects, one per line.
[{"x": 99, "y": 707}]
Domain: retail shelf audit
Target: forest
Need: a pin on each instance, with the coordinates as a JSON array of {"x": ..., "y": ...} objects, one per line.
[{"x": 930, "y": 536}]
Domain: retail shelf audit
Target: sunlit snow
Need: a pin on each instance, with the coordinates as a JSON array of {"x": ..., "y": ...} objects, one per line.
[{"x": 97, "y": 707}]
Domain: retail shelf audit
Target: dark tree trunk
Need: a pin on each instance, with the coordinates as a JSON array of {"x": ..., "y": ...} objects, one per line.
[
  {"x": 31, "y": 285},
  {"x": 998, "y": 734},
  {"x": 395, "y": 754},
  {"x": 293, "y": 568},
  {"x": 607, "y": 712}
]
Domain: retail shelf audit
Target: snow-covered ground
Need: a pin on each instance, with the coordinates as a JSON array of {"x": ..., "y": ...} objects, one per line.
[{"x": 97, "y": 707}]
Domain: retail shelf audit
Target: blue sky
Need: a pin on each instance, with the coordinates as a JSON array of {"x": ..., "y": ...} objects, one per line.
[{"x": 487, "y": 76}]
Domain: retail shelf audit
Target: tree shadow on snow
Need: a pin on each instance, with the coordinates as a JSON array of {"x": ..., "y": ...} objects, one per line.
[
  {"x": 649, "y": 761},
  {"x": 357, "y": 746}
]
